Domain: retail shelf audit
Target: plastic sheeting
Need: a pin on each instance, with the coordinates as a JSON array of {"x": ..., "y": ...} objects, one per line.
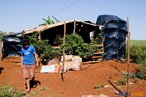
[
  {"x": 11, "y": 44},
  {"x": 114, "y": 31}
]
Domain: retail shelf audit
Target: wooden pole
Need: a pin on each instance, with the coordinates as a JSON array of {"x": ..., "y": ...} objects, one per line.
[
  {"x": 62, "y": 71},
  {"x": 39, "y": 37},
  {"x": 74, "y": 27},
  {"x": 128, "y": 57}
]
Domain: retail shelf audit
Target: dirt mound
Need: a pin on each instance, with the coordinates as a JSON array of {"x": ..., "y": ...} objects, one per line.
[{"x": 96, "y": 79}]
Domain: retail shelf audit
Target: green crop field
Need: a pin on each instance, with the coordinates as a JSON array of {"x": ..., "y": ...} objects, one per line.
[
  {"x": 138, "y": 55},
  {"x": 138, "y": 42}
]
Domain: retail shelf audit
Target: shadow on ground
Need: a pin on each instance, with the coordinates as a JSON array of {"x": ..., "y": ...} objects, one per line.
[
  {"x": 33, "y": 84},
  {"x": 1, "y": 68}
]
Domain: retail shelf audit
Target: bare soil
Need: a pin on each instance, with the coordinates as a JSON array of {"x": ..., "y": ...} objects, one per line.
[{"x": 76, "y": 83}]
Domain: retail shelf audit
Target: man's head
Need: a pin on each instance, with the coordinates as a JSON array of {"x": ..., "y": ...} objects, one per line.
[{"x": 25, "y": 42}]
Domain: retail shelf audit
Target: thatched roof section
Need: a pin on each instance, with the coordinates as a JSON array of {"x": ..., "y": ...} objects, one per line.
[{"x": 45, "y": 27}]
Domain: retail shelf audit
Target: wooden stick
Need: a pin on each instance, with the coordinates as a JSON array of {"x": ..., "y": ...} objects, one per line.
[
  {"x": 62, "y": 71},
  {"x": 128, "y": 56},
  {"x": 74, "y": 26}
]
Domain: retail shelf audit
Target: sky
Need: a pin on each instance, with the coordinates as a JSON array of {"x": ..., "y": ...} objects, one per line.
[{"x": 18, "y": 15}]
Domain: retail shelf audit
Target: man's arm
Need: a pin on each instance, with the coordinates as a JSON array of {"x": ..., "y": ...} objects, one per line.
[
  {"x": 21, "y": 61},
  {"x": 36, "y": 58}
]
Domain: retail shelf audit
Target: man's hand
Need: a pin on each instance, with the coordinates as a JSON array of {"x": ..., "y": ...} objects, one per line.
[
  {"x": 37, "y": 64},
  {"x": 22, "y": 66}
]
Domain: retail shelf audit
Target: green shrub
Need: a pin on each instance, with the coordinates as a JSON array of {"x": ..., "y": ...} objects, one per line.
[
  {"x": 7, "y": 91},
  {"x": 45, "y": 51},
  {"x": 140, "y": 75},
  {"x": 98, "y": 39},
  {"x": 75, "y": 45}
]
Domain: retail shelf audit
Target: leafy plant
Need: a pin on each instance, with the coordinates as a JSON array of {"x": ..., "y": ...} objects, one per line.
[
  {"x": 45, "y": 51},
  {"x": 98, "y": 39},
  {"x": 131, "y": 75},
  {"x": 75, "y": 45},
  {"x": 140, "y": 75},
  {"x": 49, "y": 21},
  {"x": 136, "y": 75}
]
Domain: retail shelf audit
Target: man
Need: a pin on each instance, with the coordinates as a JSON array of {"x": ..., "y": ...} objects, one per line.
[{"x": 28, "y": 62}]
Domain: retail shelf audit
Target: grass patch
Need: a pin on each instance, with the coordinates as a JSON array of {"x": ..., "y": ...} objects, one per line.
[
  {"x": 8, "y": 91},
  {"x": 43, "y": 88},
  {"x": 121, "y": 82},
  {"x": 38, "y": 92},
  {"x": 98, "y": 86}
]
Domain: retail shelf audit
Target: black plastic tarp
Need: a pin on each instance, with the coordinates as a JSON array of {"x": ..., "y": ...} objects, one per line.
[
  {"x": 11, "y": 44},
  {"x": 114, "y": 30}
]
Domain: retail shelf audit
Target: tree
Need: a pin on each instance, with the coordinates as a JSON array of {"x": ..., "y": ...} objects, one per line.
[{"x": 50, "y": 20}]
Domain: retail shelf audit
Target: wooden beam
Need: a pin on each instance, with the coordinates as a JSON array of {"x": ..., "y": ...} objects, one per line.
[
  {"x": 62, "y": 71},
  {"x": 128, "y": 57},
  {"x": 74, "y": 27}
]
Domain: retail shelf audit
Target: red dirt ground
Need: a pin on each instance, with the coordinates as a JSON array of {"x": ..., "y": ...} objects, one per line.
[{"x": 76, "y": 83}]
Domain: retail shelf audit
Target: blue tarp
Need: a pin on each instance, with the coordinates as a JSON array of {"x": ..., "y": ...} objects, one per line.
[
  {"x": 11, "y": 44},
  {"x": 114, "y": 31}
]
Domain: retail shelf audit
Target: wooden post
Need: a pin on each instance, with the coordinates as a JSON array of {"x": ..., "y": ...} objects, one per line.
[
  {"x": 62, "y": 71},
  {"x": 74, "y": 27},
  {"x": 128, "y": 57},
  {"x": 39, "y": 37}
]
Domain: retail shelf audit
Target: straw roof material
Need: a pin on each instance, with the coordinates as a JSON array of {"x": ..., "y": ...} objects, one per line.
[{"x": 45, "y": 27}]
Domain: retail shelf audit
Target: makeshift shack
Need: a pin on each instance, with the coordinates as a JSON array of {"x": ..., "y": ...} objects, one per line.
[{"x": 52, "y": 33}]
